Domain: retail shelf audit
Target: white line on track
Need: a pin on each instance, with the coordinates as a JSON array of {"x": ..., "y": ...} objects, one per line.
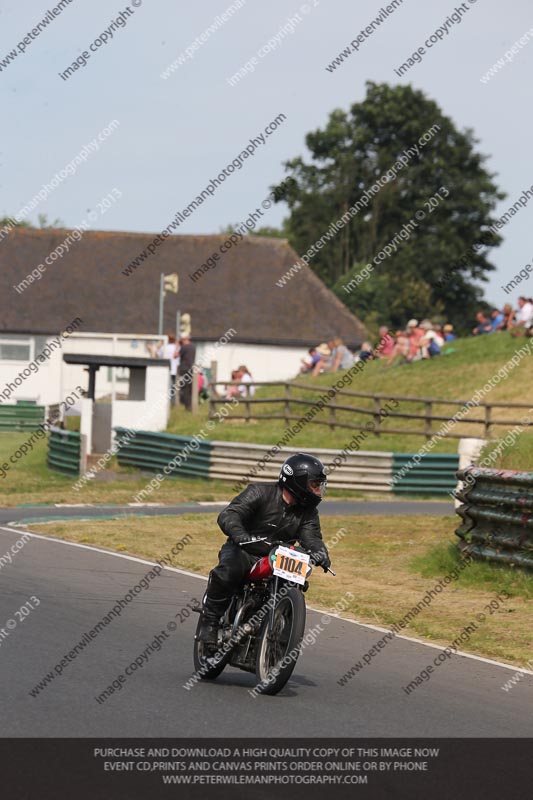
[{"x": 316, "y": 610}]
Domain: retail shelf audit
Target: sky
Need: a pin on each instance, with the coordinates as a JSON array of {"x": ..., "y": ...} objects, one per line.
[{"x": 173, "y": 135}]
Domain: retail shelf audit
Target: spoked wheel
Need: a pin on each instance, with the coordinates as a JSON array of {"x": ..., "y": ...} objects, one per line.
[
  {"x": 209, "y": 660},
  {"x": 279, "y": 650}
]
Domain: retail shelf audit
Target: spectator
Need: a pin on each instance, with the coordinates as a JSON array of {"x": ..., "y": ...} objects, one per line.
[
  {"x": 431, "y": 342},
  {"x": 497, "y": 320},
  {"x": 449, "y": 335},
  {"x": 310, "y": 361},
  {"x": 365, "y": 353},
  {"x": 341, "y": 357},
  {"x": 326, "y": 362},
  {"x": 508, "y": 318},
  {"x": 415, "y": 334},
  {"x": 233, "y": 390},
  {"x": 246, "y": 387},
  {"x": 483, "y": 324},
  {"x": 524, "y": 317},
  {"x": 386, "y": 343},
  {"x": 171, "y": 352},
  {"x": 400, "y": 350},
  {"x": 185, "y": 370}
]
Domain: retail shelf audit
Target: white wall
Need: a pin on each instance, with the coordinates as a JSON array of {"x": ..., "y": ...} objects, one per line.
[
  {"x": 265, "y": 362},
  {"x": 55, "y": 380},
  {"x": 150, "y": 414}
]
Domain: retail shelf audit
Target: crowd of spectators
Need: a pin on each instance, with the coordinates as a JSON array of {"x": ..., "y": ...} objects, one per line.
[
  {"x": 519, "y": 322},
  {"x": 418, "y": 340}
]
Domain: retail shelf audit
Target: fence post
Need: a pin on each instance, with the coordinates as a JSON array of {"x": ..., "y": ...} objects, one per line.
[
  {"x": 377, "y": 415},
  {"x": 332, "y": 419},
  {"x": 488, "y": 410},
  {"x": 287, "y": 403},
  {"x": 428, "y": 420}
]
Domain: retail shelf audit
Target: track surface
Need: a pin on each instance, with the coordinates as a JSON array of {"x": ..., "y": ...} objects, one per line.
[
  {"x": 77, "y": 586},
  {"x": 327, "y": 509}
]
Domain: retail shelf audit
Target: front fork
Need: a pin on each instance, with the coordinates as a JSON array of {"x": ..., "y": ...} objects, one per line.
[{"x": 273, "y": 606}]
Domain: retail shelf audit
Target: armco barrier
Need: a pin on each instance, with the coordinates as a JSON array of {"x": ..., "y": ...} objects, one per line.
[
  {"x": 21, "y": 416},
  {"x": 434, "y": 474},
  {"x": 365, "y": 470},
  {"x": 242, "y": 463},
  {"x": 66, "y": 451},
  {"x": 153, "y": 452},
  {"x": 497, "y": 514}
]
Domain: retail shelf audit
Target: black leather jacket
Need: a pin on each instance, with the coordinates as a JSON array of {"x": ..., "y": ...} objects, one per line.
[{"x": 261, "y": 511}]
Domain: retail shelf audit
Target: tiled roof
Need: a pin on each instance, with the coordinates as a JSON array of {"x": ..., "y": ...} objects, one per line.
[{"x": 241, "y": 291}]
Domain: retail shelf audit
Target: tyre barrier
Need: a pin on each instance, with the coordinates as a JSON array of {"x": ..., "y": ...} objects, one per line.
[
  {"x": 65, "y": 451},
  {"x": 497, "y": 514}
]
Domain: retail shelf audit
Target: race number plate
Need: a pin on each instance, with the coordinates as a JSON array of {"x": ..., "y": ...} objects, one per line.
[{"x": 291, "y": 564}]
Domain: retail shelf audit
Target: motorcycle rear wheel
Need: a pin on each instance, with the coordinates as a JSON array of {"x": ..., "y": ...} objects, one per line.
[{"x": 278, "y": 652}]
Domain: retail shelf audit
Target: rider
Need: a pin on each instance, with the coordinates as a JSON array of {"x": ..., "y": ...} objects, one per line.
[{"x": 282, "y": 511}]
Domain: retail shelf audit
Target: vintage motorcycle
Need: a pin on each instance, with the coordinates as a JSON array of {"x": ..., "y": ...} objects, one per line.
[{"x": 264, "y": 624}]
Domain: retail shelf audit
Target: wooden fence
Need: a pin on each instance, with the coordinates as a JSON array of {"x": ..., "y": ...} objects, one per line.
[{"x": 291, "y": 403}]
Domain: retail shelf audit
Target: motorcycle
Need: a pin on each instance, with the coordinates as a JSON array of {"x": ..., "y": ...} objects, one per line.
[{"x": 262, "y": 629}]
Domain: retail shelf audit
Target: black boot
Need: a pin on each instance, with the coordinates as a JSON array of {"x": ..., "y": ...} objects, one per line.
[{"x": 212, "y": 611}]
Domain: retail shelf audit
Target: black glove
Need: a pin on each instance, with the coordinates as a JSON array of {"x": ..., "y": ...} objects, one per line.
[{"x": 321, "y": 559}]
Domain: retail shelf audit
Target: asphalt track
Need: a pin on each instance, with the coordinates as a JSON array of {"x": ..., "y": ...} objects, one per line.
[
  {"x": 78, "y": 585},
  {"x": 328, "y": 508}
]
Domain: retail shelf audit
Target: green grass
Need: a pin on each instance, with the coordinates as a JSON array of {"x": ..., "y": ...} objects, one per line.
[
  {"x": 518, "y": 455},
  {"x": 453, "y": 376},
  {"x": 442, "y": 558},
  {"x": 467, "y": 367}
]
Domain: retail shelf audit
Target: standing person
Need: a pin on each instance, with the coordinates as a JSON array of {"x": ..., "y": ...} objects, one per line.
[
  {"x": 171, "y": 351},
  {"x": 185, "y": 371}
]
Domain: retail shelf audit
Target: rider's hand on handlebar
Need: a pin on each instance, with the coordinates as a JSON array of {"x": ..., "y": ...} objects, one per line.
[{"x": 321, "y": 559}]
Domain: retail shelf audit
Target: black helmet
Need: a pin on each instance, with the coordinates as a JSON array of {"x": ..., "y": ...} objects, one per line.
[{"x": 295, "y": 475}]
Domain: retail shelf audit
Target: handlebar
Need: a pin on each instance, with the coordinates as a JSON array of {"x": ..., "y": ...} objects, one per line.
[
  {"x": 253, "y": 541},
  {"x": 279, "y": 542}
]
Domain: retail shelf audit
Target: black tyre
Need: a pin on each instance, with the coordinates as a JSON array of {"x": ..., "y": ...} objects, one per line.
[
  {"x": 208, "y": 660},
  {"x": 278, "y": 652}
]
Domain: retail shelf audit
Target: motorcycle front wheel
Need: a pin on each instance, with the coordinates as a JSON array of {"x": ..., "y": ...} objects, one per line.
[
  {"x": 278, "y": 650},
  {"x": 208, "y": 660}
]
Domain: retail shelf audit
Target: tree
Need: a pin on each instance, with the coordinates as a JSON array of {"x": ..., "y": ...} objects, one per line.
[
  {"x": 354, "y": 151},
  {"x": 42, "y": 218}
]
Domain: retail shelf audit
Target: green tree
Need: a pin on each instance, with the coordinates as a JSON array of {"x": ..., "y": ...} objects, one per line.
[{"x": 427, "y": 273}]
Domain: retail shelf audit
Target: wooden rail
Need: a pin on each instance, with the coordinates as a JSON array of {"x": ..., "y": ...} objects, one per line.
[{"x": 286, "y": 400}]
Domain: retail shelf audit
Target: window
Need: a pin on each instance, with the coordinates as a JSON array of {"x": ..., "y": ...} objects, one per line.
[
  {"x": 122, "y": 374},
  {"x": 15, "y": 350}
]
